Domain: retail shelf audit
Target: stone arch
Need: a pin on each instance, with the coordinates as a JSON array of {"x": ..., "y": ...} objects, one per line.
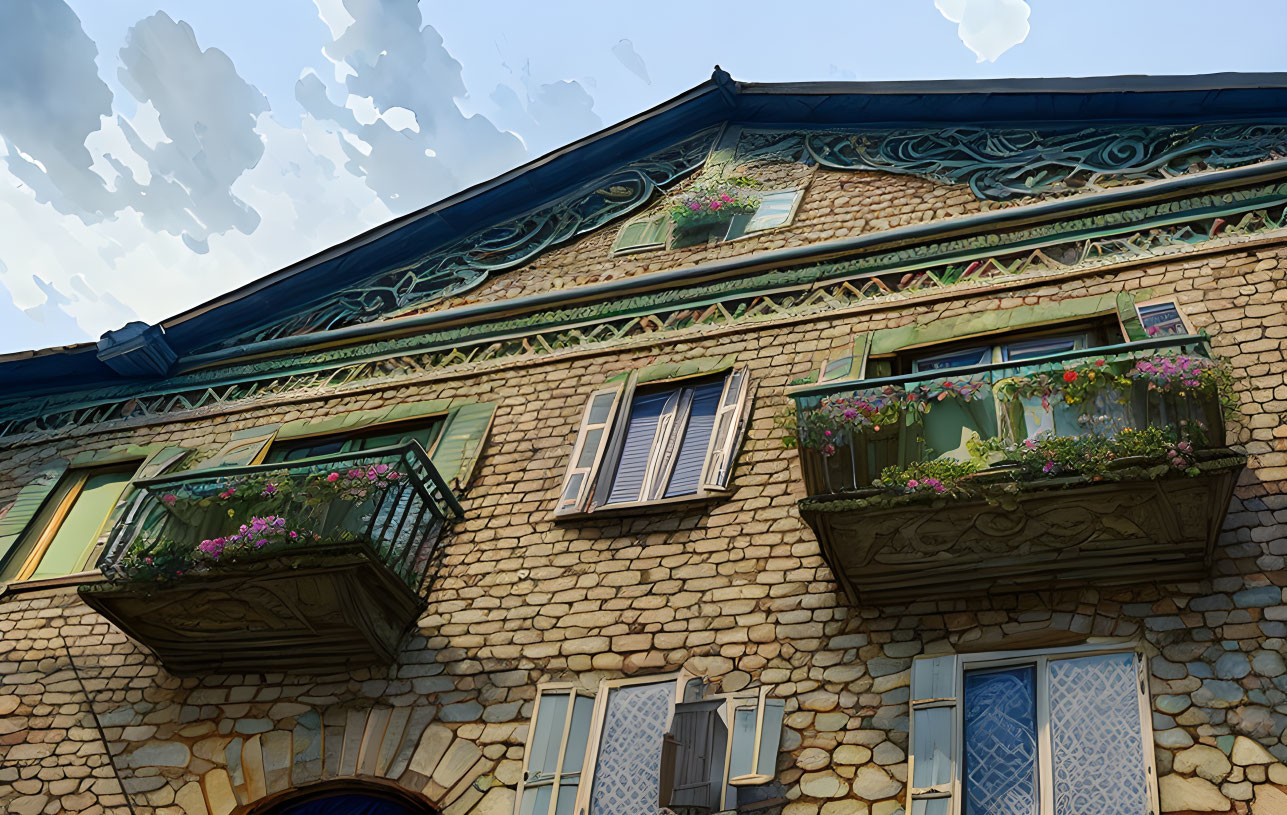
[
  {"x": 281, "y": 803},
  {"x": 396, "y": 748}
]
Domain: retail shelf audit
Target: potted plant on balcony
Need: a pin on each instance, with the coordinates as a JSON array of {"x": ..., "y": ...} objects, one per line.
[{"x": 705, "y": 209}]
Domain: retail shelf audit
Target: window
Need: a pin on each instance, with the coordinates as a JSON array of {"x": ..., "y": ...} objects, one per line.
[
  {"x": 1057, "y": 733},
  {"x": 1161, "y": 319},
  {"x": 371, "y": 438},
  {"x": 617, "y": 751},
  {"x": 775, "y": 209},
  {"x": 643, "y": 233},
  {"x": 61, "y": 537},
  {"x": 646, "y": 442}
]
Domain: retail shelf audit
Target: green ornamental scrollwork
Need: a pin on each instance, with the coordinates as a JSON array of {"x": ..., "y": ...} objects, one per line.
[
  {"x": 466, "y": 263},
  {"x": 1007, "y": 164}
]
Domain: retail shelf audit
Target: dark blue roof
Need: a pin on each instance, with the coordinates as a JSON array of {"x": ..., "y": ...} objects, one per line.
[{"x": 1028, "y": 102}]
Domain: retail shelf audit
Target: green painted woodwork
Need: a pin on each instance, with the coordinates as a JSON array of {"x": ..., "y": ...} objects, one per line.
[
  {"x": 461, "y": 442},
  {"x": 79, "y": 530},
  {"x": 28, "y": 503},
  {"x": 1130, "y": 316},
  {"x": 665, "y": 371},
  {"x": 944, "y": 329},
  {"x": 328, "y": 425},
  {"x": 1093, "y": 240},
  {"x": 245, "y": 447}
]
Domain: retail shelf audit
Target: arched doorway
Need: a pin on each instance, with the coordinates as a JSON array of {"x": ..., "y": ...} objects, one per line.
[{"x": 344, "y": 798}]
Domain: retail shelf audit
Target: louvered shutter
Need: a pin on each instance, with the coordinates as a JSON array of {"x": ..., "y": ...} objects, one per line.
[
  {"x": 26, "y": 505},
  {"x": 646, "y": 414},
  {"x": 933, "y": 737},
  {"x": 730, "y": 426},
  {"x": 692, "y": 758},
  {"x": 461, "y": 442},
  {"x": 591, "y": 440},
  {"x": 686, "y": 475}
]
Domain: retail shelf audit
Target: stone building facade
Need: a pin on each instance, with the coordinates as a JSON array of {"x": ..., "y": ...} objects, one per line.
[{"x": 727, "y": 585}]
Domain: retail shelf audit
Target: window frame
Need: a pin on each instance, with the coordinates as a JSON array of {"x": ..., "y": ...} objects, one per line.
[
  {"x": 1160, "y": 301},
  {"x": 797, "y": 192},
  {"x": 59, "y": 505},
  {"x": 1040, "y": 658},
  {"x": 735, "y": 402},
  {"x": 360, "y": 431},
  {"x": 556, "y": 781}
]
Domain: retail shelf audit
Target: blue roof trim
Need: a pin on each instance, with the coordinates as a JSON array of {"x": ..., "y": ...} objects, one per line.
[{"x": 1031, "y": 102}]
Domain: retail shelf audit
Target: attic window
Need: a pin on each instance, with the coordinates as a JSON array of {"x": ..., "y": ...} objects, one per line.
[
  {"x": 642, "y": 234},
  {"x": 775, "y": 209}
]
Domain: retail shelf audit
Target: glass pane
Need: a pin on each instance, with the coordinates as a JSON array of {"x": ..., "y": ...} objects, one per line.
[
  {"x": 697, "y": 437},
  {"x": 931, "y": 806},
  {"x": 574, "y": 486},
  {"x": 774, "y": 210},
  {"x": 543, "y": 760},
  {"x": 1001, "y": 742},
  {"x": 628, "y": 770},
  {"x": 536, "y": 800},
  {"x": 578, "y": 734},
  {"x": 600, "y": 407},
  {"x": 294, "y": 452},
  {"x": 743, "y": 752},
  {"x": 591, "y": 447},
  {"x": 80, "y": 529},
  {"x": 956, "y": 359},
  {"x": 770, "y": 736},
  {"x": 425, "y": 434},
  {"x": 1161, "y": 319},
  {"x": 932, "y": 746},
  {"x": 1031, "y": 349},
  {"x": 567, "y": 799},
  {"x": 1097, "y": 749}
]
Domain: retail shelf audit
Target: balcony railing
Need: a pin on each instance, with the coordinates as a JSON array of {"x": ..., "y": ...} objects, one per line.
[
  {"x": 306, "y": 565},
  {"x": 1138, "y": 494},
  {"x": 847, "y": 457}
]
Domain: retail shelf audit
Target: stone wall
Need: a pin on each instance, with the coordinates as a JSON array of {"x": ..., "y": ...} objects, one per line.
[{"x": 735, "y": 591}]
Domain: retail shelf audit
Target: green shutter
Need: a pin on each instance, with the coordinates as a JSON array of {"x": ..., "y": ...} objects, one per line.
[
  {"x": 642, "y": 233},
  {"x": 1130, "y": 317},
  {"x": 244, "y": 448},
  {"x": 25, "y": 506},
  {"x": 461, "y": 442},
  {"x": 160, "y": 461}
]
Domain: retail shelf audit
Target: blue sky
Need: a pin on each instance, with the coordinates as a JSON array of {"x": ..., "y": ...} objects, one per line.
[{"x": 154, "y": 153}]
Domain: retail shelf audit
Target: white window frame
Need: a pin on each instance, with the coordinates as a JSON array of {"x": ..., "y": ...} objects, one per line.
[
  {"x": 797, "y": 192},
  {"x": 1040, "y": 659},
  {"x": 556, "y": 782}
]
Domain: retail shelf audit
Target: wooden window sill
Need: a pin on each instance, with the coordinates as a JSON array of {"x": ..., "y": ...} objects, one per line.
[{"x": 59, "y": 582}]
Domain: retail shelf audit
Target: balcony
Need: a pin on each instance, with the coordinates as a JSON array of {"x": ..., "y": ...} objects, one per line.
[
  {"x": 313, "y": 566},
  {"x": 1079, "y": 468}
]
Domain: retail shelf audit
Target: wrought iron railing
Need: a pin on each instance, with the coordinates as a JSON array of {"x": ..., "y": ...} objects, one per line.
[
  {"x": 842, "y": 456},
  {"x": 202, "y": 522}
]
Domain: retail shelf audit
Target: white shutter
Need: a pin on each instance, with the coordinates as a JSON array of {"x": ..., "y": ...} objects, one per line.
[
  {"x": 932, "y": 754},
  {"x": 587, "y": 453},
  {"x": 730, "y": 426}
]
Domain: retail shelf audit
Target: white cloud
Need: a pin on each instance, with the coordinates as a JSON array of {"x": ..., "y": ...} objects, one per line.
[
  {"x": 989, "y": 28},
  {"x": 626, "y": 54}
]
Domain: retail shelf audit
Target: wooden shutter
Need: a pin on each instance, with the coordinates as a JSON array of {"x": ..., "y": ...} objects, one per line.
[
  {"x": 245, "y": 447},
  {"x": 643, "y": 233},
  {"x": 591, "y": 440},
  {"x": 693, "y": 445},
  {"x": 692, "y": 758},
  {"x": 631, "y": 467},
  {"x": 28, "y": 503},
  {"x": 461, "y": 442},
  {"x": 932, "y": 750},
  {"x": 730, "y": 426}
]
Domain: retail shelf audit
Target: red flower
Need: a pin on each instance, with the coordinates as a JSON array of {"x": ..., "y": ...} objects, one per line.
[
  {"x": 1099, "y": 362},
  {"x": 1070, "y": 376}
]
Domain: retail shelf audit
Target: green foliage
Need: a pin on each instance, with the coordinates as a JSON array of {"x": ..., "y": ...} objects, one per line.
[
  {"x": 715, "y": 201},
  {"x": 941, "y": 476}
]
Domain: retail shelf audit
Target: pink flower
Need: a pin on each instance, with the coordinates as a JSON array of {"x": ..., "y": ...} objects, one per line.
[
  {"x": 169, "y": 498},
  {"x": 716, "y": 204},
  {"x": 913, "y": 483},
  {"x": 726, "y": 198},
  {"x": 333, "y": 477},
  {"x": 269, "y": 489},
  {"x": 694, "y": 206}
]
